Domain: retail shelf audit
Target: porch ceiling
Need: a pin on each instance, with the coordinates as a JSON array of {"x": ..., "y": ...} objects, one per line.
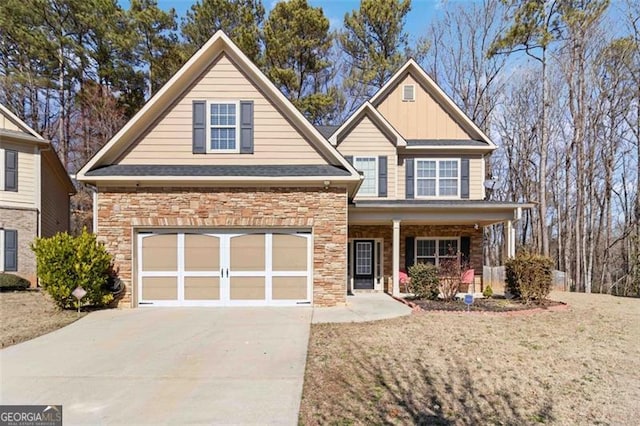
[{"x": 440, "y": 212}]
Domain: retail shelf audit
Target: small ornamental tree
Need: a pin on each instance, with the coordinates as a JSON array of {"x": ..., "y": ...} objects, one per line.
[
  {"x": 529, "y": 276},
  {"x": 66, "y": 262},
  {"x": 424, "y": 281},
  {"x": 450, "y": 271}
]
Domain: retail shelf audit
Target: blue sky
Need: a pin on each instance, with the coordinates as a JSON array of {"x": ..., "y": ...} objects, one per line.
[{"x": 422, "y": 11}]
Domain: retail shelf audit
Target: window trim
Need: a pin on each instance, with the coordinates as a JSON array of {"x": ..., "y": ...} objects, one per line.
[
  {"x": 437, "y": 256},
  {"x": 413, "y": 93},
  {"x": 437, "y": 196},
  {"x": 208, "y": 124},
  {"x": 375, "y": 178}
]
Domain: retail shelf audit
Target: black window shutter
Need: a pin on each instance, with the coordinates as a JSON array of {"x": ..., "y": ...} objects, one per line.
[
  {"x": 10, "y": 170},
  {"x": 464, "y": 178},
  {"x": 382, "y": 176},
  {"x": 349, "y": 158},
  {"x": 465, "y": 248},
  {"x": 409, "y": 252},
  {"x": 246, "y": 127},
  {"x": 199, "y": 127},
  {"x": 10, "y": 250},
  {"x": 409, "y": 183}
]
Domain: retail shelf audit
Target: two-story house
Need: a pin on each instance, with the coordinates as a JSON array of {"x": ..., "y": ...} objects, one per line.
[
  {"x": 34, "y": 194},
  {"x": 423, "y": 195},
  {"x": 219, "y": 192}
]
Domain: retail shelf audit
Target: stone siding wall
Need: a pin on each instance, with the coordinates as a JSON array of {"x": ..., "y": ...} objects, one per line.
[{"x": 123, "y": 210}]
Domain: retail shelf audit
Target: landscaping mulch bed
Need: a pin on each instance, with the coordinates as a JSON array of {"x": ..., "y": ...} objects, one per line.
[
  {"x": 498, "y": 304},
  {"x": 25, "y": 315}
]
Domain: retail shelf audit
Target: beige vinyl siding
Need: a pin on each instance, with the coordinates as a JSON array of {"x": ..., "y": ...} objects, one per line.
[
  {"x": 55, "y": 200},
  {"x": 25, "y": 197},
  {"x": 169, "y": 141},
  {"x": 476, "y": 178},
  {"x": 8, "y": 124},
  {"x": 423, "y": 118},
  {"x": 367, "y": 140}
]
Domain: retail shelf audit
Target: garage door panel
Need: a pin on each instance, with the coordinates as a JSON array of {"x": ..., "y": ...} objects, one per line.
[
  {"x": 247, "y": 253},
  {"x": 289, "y": 252},
  {"x": 201, "y": 252},
  {"x": 160, "y": 253},
  {"x": 247, "y": 288},
  {"x": 159, "y": 288},
  {"x": 202, "y": 288},
  {"x": 289, "y": 288}
]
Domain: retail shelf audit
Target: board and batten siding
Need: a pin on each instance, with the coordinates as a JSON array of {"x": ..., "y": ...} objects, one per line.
[
  {"x": 423, "y": 118},
  {"x": 476, "y": 169},
  {"x": 169, "y": 140},
  {"x": 55, "y": 200},
  {"x": 366, "y": 140},
  {"x": 25, "y": 197}
]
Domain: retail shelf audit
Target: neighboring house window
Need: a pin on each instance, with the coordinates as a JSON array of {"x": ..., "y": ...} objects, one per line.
[
  {"x": 368, "y": 166},
  {"x": 409, "y": 92},
  {"x": 223, "y": 127},
  {"x": 10, "y": 170},
  {"x": 8, "y": 250},
  {"x": 437, "y": 178},
  {"x": 434, "y": 250}
]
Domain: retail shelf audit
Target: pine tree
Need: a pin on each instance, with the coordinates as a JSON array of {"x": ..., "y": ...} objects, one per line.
[
  {"x": 297, "y": 44},
  {"x": 240, "y": 19}
]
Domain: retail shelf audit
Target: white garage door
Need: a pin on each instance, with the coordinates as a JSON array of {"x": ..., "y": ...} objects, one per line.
[{"x": 191, "y": 268}]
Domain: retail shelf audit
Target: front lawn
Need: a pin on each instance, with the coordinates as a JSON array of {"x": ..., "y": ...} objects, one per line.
[
  {"x": 575, "y": 366},
  {"x": 28, "y": 314}
]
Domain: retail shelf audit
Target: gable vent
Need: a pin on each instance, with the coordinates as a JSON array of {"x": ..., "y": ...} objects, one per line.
[{"x": 409, "y": 92}]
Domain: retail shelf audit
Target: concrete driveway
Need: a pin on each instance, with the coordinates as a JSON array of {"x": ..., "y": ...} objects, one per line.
[{"x": 176, "y": 366}]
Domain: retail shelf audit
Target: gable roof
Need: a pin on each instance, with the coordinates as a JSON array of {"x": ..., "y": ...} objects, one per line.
[
  {"x": 366, "y": 109},
  {"x": 199, "y": 63},
  {"x": 411, "y": 67},
  {"x": 19, "y": 123},
  {"x": 29, "y": 135}
]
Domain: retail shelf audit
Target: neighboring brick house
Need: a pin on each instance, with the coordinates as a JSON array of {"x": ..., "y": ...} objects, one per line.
[
  {"x": 219, "y": 192},
  {"x": 34, "y": 194}
]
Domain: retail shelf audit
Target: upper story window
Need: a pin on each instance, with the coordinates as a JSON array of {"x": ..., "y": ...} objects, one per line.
[
  {"x": 223, "y": 127},
  {"x": 434, "y": 250},
  {"x": 438, "y": 178},
  {"x": 368, "y": 166},
  {"x": 409, "y": 92}
]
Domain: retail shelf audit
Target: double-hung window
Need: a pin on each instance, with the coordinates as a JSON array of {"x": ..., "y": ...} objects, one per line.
[
  {"x": 223, "y": 127},
  {"x": 438, "y": 178},
  {"x": 368, "y": 166},
  {"x": 434, "y": 250}
]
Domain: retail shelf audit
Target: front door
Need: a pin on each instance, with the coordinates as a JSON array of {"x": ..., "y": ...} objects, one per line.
[{"x": 363, "y": 270}]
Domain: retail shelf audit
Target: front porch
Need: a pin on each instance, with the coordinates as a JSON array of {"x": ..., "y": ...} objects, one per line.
[{"x": 386, "y": 237}]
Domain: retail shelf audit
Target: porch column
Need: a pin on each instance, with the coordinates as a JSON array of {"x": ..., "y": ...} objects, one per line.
[
  {"x": 509, "y": 239},
  {"x": 396, "y": 258}
]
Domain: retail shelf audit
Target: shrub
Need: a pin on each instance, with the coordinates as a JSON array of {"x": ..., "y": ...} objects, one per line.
[
  {"x": 488, "y": 291},
  {"x": 529, "y": 276},
  {"x": 10, "y": 282},
  {"x": 424, "y": 281},
  {"x": 450, "y": 272},
  {"x": 66, "y": 262}
]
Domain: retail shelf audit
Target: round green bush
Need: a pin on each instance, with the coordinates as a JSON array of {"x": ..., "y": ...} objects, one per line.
[
  {"x": 424, "y": 281},
  {"x": 66, "y": 262},
  {"x": 10, "y": 282}
]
